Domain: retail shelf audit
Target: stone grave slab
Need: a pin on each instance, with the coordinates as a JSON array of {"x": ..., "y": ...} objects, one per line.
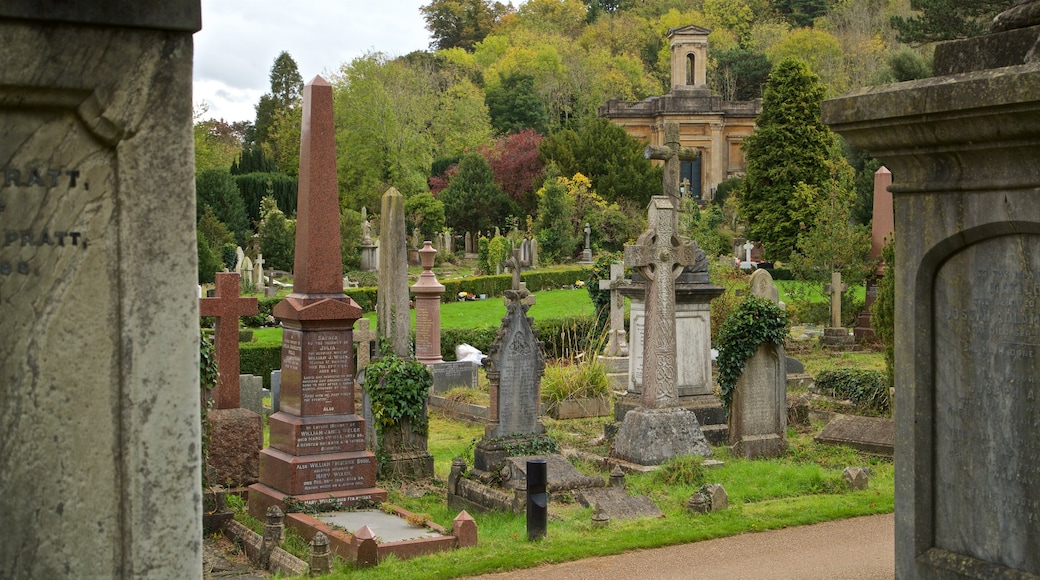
[
  {"x": 870, "y": 434},
  {"x": 388, "y": 527},
  {"x": 617, "y": 504},
  {"x": 560, "y": 473},
  {"x": 251, "y": 393}
]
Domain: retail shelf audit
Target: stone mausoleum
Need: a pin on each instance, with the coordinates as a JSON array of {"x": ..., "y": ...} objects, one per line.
[{"x": 716, "y": 128}]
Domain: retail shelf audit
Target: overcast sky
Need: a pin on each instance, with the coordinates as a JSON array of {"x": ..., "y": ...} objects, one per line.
[{"x": 240, "y": 39}]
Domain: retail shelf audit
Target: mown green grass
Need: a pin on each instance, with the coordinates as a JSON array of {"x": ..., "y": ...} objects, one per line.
[
  {"x": 802, "y": 487},
  {"x": 794, "y": 290}
]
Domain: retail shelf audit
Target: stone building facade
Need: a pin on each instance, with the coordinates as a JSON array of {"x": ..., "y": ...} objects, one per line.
[{"x": 716, "y": 128}]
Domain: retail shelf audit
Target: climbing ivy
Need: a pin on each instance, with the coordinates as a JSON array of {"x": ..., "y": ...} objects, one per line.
[
  {"x": 755, "y": 321},
  {"x": 398, "y": 389}
]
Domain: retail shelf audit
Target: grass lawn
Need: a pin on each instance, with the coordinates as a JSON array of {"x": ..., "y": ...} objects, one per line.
[{"x": 803, "y": 487}]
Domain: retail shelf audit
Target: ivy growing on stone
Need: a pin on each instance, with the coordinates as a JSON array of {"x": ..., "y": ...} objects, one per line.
[
  {"x": 755, "y": 321},
  {"x": 398, "y": 389}
]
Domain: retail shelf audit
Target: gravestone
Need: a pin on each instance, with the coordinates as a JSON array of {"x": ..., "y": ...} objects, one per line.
[
  {"x": 226, "y": 307},
  {"x": 758, "y": 412},
  {"x": 869, "y": 434},
  {"x": 99, "y": 381},
  {"x": 317, "y": 451},
  {"x": 369, "y": 249},
  {"x": 963, "y": 148},
  {"x": 251, "y": 388},
  {"x": 746, "y": 264},
  {"x": 881, "y": 230},
  {"x": 673, "y": 155},
  {"x": 427, "y": 292},
  {"x": 392, "y": 299},
  {"x": 659, "y": 429},
  {"x": 836, "y": 335},
  {"x": 258, "y": 272},
  {"x": 450, "y": 374},
  {"x": 586, "y": 254},
  {"x": 617, "y": 345},
  {"x": 534, "y": 253},
  {"x": 276, "y": 390}
]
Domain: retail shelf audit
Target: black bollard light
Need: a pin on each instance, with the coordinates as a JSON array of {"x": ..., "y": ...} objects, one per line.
[{"x": 537, "y": 498}]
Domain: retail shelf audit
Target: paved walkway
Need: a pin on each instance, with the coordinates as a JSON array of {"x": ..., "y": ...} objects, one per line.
[{"x": 854, "y": 549}]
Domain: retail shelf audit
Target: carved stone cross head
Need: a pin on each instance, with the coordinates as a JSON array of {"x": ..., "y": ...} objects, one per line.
[{"x": 660, "y": 248}]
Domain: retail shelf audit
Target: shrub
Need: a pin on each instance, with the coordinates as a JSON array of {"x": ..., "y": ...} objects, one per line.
[
  {"x": 583, "y": 380},
  {"x": 866, "y": 389},
  {"x": 260, "y": 360}
]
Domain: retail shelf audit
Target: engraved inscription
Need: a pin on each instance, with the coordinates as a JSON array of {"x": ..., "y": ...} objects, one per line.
[
  {"x": 20, "y": 197},
  {"x": 330, "y": 438},
  {"x": 326, "y": 374},
  {"x": 334, "y": 475},
  {"x": 987, "y": 348}
]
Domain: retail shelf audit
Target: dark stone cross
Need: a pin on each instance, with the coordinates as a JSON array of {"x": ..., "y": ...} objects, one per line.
[
  {"x": 660, "y": 255},
  {"x": 673, "y": 155},
  {"x": 227, "y": 306}
]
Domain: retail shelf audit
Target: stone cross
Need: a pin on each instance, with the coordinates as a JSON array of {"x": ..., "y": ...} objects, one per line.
[
  {"x": 617, "y": 345},
  {"x": 746, "y": 264},
  {"x": 835, "y": 288},
  {"x": 227, "y": 306},
  {"x": 259, "y": 271},
  {"x": 673, "y": 155},
  {"x": 660, "y": 255}
]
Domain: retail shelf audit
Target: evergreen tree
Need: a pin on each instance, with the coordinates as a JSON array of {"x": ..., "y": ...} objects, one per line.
[
  {"x": 216, "y": 189},
  {"x": 209, "y": 262},
  {"x": 473, "y": 201},
  {"x": 514, "y": 105},
  {"x": 286, "y": 90},
  {"x": 946, "y": 19},
  {"x": 789, "y": 147},
  {"x": 739, "y": 73},
  {"x": 215, "y": 232},
  {"x": 277, "y": 238},
  {"x": 555, "y": 230},
  {"x": 426, "y": 212}
]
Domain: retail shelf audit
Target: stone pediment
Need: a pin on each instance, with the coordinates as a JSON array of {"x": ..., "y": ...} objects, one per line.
[{"x": 688, "y": 30}]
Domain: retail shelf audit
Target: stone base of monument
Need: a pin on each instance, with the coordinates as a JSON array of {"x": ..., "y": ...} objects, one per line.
[
  {"x": 408, "y": 465},
  {"x": 709, "y": 411},
  {"x": 654, "y": 436},
  {"x": 233, "y": 453},
  {"x": 753, "y": 446},
  {"x": 504, "y": 486},
  {"x": 838, "y": 339}
]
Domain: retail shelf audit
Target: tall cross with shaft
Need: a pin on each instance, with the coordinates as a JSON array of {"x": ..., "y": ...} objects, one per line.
[
  {"x": 660, "y": 256},
  {"x": 673, "y": 155}
]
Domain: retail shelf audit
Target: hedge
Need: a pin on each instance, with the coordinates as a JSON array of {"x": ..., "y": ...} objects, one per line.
[
  {"x": 866, "y": 389},
  {"x": 260, "y": 360}
]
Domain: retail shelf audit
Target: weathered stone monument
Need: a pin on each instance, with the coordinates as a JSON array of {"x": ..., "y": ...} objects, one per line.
[
  {"x": 615, "y": 353},
  {"x": 586, "y": 254},
  {"x": 236, "y": 434},
  {"x": 673, "y": 155},
  {"x": 881, "y": 231},
  {"x": 963, "y": 149},
  {"x": 427, "y": 292},
  {"x": 836, "y": 335},
  {"x": 692, "y": 308},
  {"x": 317, "y": 451},
  {"x": 392, "y": 300},
  {"x": 659, "y": 429},
  {"x": 758, "y": 413},
  {"x": 369, "y": 248},
  {"x": 99, "y": 381}
]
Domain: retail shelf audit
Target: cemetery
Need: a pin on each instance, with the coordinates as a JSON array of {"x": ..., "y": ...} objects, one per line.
[{"x": 514, "y": 338}]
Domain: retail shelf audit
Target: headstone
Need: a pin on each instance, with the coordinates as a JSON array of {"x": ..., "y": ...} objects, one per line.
[
  {"x": 673, "y": 155},
  {"x": 835, "y": 289},
  {"x": 659, "y": 429},
  {"x": 514, "y": 367},
  {"x": 586, "y": 254},
  {"x": 469, "y": 244},
  {"x": 427, "y": 292},
  {"x": 247, "y": 270},
  {"x": 317, "y": 442},
  {"x": 534, "y": 253},
  {"x": 258, "y": 272},
  {"x": 758, "y": 412},
  {"x": 270, "y": 289},
  {"x": 962, "y": 147},
  {"x": 226, "y": 307},
  {"x": 240, "y": 257},
  {"x": 251, "y": 389},
  {"x": 392, "y": 299},
  {"x": 99, "y": 387},
  {"x": 276, "y": 390},
  {"x": 450, "y": 374},
  {"x": 746, "y": 264},
  {"x": 617, "y": 345}
]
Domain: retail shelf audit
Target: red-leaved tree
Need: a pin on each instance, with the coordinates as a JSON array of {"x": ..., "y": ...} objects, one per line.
[{"x": 515, "y": 164}]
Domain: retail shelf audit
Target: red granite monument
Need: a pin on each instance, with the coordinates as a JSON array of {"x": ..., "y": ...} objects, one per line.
[
  {"x": 227, "y": 306},
  {"x": 317, "y": 451}
]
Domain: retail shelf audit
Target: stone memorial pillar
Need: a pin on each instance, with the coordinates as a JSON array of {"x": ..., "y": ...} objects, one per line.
[
  {"x": 99, "y": 379},
  {"x": 428, "y": 293},
  {"x": 392, "y": 299},
  {"x": 317, "y": 451},
  {"x": 963, "y": 149}
]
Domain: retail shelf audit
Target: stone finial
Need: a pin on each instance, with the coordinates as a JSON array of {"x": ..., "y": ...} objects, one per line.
[
  {"x": 321, "y": 557},
  {"x": 617, "y": 477},
  {"x": 699, "y": 503},
  {"x": 600, "y": 519},
  {"x": 274, "y": 531},
  {"x": 856, "y": 477},
  {"x": 464, "y": 528},
  {"x": 458, "y": 467},
  {"x": 718, "y": 499},
  {"x": 367, "y": 548}
]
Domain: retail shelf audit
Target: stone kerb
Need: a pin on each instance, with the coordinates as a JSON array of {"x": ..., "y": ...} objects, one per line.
[{"x": 962, "y": 150}]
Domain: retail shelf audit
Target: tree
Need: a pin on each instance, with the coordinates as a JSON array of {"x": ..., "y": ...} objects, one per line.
[
  {"x": 215, "y": 233},
  {"x": 286, "y": 90},
  {"x": 209, "y": 262},
  {"x": 473, "y": 201},
  {"x": 611, "y": 158},
  {"x": 739, "y": 73},
  {"x": 946, "y": 19},
  {"x": 217, "y": 142},
  {"x": 425, "y": 212},
  {"x": 907, "y": 65},
  {"x": 800, "y": 13},
  {"x": 555, "y": 228},
  {"x": 514, "y": 105},
  {"x": 818, "y": 49},
  {"x": 514, "y": 161},
  {"x": 277, "y": 237},
  {"x": 350, "y": 232},
  {"x": 216, "y": 189},
  {"x": 789, "y": 147},
  {"x": 461, "y": 23}
]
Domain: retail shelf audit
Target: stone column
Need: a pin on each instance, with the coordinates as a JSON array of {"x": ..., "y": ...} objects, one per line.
[
  {"x": 428, "y": 293},
  {"x": 99, "y": 381},
  {"x": 963, "y": 149},
  {"x": 392, "y": 301}
]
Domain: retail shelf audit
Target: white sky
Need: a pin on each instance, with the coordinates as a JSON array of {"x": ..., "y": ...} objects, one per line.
[{"x": 240, "y": 39}]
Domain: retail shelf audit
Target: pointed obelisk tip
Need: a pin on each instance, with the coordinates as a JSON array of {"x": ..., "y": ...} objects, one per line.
[{"x": 318, "y": 81}]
